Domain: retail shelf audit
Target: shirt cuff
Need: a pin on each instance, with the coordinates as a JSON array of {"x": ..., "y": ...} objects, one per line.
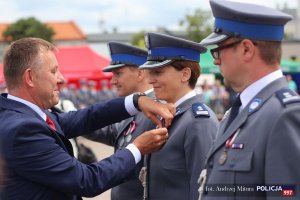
[
  {"x": 135, "y": 152},
  {"x": 129, "y": 105}
]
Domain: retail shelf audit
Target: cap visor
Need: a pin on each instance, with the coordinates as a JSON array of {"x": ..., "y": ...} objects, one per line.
[
  {"x": 213, "y": 38},
  {"x": 111, "y": 67},
  {"x": 155, "y": 64}
]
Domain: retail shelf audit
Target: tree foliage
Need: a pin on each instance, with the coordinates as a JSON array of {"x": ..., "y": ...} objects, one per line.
[
  {"x": 138, "y": 40},
  {"x": 198, "y": 25},
  {"x": 29, "y": 27}
]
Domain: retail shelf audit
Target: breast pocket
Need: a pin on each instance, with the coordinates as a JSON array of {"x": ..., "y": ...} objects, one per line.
[{"x": 238, "y": 160}]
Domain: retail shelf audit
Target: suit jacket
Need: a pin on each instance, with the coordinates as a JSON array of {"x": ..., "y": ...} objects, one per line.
[
  {"x": 115, "y": 135},
  {"x": 39, "y": 160},
  {"x": 174, "y": 169},
  {"x": 269, "y": 132}
]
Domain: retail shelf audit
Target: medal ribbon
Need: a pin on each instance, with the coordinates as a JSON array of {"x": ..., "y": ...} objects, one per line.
[
  {"x": 130, "y": 129},
  {"x": 230, "y": 141}
]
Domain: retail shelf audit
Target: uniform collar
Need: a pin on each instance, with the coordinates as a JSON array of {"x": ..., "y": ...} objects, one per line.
[
  {"x": 251, "y": 91},
  {"x": 29, "y": 104},
  {"x": 185, "y": 97}
]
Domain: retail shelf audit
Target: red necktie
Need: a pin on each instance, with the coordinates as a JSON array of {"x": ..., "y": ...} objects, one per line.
[{"x": 50, "y": 122}]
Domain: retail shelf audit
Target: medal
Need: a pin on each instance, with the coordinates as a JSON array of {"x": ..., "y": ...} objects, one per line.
[
  {"x": 128, "y": 138},
  {"x": 223, "y": 158},
  {"x": 121, "y": 142},
  {"x": 228, "y": 145}
]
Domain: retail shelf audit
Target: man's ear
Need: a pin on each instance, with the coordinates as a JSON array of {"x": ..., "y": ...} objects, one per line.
[
  {"x": 141, "y": 74},
  {"x": 28, "y": 77},
  {"x": 249, "y": 49}
]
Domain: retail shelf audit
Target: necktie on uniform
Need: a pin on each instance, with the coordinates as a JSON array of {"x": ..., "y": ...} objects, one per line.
[
  {"x": 50, "y": 122},
  {"x": 234, "y": 110}
]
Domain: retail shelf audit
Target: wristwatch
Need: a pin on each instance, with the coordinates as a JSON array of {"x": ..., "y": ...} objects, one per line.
[{"x": 135, "y": 99}]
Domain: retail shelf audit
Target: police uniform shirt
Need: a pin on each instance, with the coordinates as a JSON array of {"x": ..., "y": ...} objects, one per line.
[
  {"x": 185, "y": 97},
  {"x": 251, "y": 91}
]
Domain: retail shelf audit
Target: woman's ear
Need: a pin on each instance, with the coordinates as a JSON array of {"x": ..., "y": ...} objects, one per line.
[{"x": 186, "y": 74}]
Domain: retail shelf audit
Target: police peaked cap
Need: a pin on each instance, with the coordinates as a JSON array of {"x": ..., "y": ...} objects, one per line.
[
  {"x": 244, "y": 20},
  {"x": 165, "y": 49},
  {"x": 124, "y": 54}
]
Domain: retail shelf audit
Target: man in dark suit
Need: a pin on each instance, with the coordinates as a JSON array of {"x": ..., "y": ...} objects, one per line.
[
  {"x": 258, "y": 140},
  {"x": 39, "y": 158},
  {"x": 127, "y": 79}
]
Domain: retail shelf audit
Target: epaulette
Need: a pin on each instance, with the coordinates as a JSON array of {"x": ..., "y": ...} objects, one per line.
[
  {"x": 287, "y": 96},
  {"x": 200, "y": 110}
]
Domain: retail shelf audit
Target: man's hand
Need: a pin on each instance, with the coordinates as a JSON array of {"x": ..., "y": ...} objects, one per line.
[
  {"x": 153, "y": 110},
  {"x": 151, "y": 141}
]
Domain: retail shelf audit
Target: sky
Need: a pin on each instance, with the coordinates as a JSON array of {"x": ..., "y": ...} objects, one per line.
[{"x": 94, "y": 16}]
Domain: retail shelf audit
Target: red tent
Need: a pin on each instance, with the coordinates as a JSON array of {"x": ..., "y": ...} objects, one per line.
[
  {"x": 78, "y": 62},
  {"x": 1, "y": 74},
  {"x": 81, "y": 62}
]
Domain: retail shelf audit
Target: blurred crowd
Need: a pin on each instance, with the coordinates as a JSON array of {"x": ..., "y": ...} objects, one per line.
[
  {"x": 87, "y": 93},
  {"x": 218, "y": 97}
]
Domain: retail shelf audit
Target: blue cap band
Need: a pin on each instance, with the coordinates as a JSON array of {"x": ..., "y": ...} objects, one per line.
[
  {"x": 186, "y": 54},
  {"x": 266, "y": 32},
  {"x": 128, "y": 58}
]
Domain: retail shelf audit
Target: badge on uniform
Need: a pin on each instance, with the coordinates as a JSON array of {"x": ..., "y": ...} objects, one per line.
[{"x": 255, "y": 104}]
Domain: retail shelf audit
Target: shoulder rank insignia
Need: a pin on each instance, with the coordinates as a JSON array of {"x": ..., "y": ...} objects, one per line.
[
  {"x": 200, "y": 110},
  {"x": 287, "y": 96}
]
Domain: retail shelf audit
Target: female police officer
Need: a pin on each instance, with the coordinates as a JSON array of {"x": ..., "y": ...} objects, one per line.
[{"x": 174, "y": 70}]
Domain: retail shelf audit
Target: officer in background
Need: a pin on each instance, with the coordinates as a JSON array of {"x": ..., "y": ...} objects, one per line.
[
  {"x": 127, "y": 79},
  {"x": 173, "y": 65},
  {"x": 92, "y": 93},
  {"x": 261, "y": 145},
  {"x": 82, "y": 94},
  {"x": 105, "y": 93}
]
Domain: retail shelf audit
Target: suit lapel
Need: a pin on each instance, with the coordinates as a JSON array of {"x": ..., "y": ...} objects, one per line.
[
  {"x": 236, "y": 123},
  {"x": 242, "y": 117},
  {"x": 63, "y": 142},
  {"x": 22, "y": 108},
  {"x": 59, "y": 136}
]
